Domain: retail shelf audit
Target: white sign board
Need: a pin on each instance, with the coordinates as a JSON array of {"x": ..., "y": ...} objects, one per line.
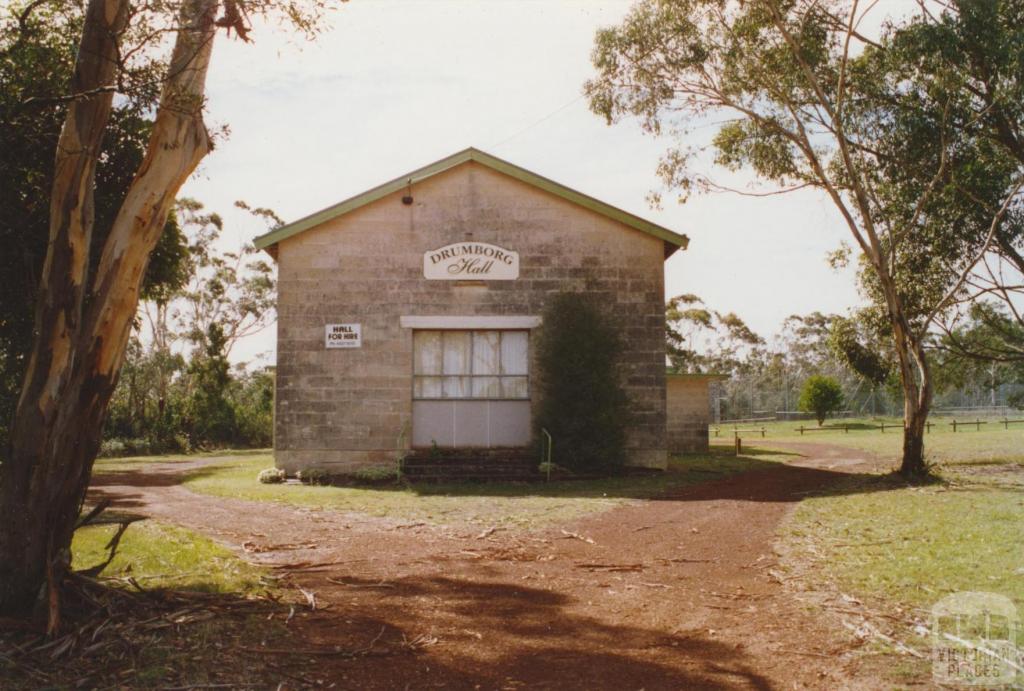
[
  {"x": 343, "y": 336},
  {"x": 471, "y": 261}
]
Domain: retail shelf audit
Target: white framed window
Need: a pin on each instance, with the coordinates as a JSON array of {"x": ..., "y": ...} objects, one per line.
[{"x": 471, "y": 364}]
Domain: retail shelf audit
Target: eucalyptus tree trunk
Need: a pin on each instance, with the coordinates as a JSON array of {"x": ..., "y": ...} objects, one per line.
[
  {"x": 917, "y": 402},
  {"x": 915, "y": 376},
  {"x": 82, "y": 330}
]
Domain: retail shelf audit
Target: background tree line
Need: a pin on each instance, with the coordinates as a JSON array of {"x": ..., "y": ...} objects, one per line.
[
  {"x": 766, "y": 376},
  {"x": 178, "y": 391}
]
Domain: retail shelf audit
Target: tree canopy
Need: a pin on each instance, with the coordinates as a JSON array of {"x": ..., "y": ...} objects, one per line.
[
  {"x": 810, "y": 102},
  {"x": 156, "y": 56},
  {"x": 37, "y": 56}
]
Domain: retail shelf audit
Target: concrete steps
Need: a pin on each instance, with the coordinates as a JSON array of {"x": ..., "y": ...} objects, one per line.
[{"x": 470, "y": 465}]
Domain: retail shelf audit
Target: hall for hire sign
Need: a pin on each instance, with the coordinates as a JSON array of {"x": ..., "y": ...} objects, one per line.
[
  {"x": 343, "y": 336},
  {"x": 472, "y": 261}
]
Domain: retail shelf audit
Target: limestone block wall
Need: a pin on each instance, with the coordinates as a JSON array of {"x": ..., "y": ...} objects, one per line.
[
  {"x": 688, "y": 413},
  {"x": 340, "y": 409}
]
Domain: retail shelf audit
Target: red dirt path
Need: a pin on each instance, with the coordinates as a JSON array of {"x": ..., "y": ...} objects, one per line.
[{"x": 675, "y": 593}]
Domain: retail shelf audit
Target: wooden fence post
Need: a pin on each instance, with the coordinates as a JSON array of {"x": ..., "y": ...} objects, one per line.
[{"x": 739, "y": 445}]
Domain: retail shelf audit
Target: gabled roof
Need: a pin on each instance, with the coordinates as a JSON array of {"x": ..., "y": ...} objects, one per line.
[{"x": 672, "y": 239}]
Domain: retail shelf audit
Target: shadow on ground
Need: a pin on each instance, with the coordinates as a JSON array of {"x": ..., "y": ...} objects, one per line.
[
  {"x": 745, "y": 477},
  {"x": 520, "y": 638}
]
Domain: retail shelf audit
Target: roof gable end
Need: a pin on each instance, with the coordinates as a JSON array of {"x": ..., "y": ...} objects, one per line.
[{"x": 673, "y": 240}]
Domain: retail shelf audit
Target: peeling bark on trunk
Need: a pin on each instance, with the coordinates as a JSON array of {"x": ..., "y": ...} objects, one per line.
[{"x": 82, "y": 333}]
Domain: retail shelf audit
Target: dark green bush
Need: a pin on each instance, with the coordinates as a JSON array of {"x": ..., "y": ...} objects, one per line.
[
  {"x": 821, "y": 396},
  {"x": 583, "y": 404}
]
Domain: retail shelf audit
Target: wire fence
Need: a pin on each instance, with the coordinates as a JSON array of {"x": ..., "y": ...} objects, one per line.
[
  {"x": 955, "y": 424},
  {"x": 774, "y": 395}
]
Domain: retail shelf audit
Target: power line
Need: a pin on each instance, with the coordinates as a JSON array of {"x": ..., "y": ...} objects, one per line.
[{"x": 534, "y": 124}]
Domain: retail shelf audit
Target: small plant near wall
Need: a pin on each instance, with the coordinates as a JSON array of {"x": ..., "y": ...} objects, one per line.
[
  {"x": 375, "y": 475},
  {"x": 271, "y": 476},
  {"x": 821, "y": 396},
  {"x": 583, "y": 404},
  {"x": 314, "y": 476}
]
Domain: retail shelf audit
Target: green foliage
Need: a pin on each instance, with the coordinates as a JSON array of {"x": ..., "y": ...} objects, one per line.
[
  {"x": 235, "y": 289},
  {"x": 583, "y": 404},
  {"x": 252, "y": 397},
  {"x": 985, "y": 350},
  {"x": 375, "y": 474},
  {"x": 821, "y": 396},
  {"x": 210, "y": 415},
  {"x": 175, "y": 389},
  {"x": 914, "y": 135},
  {"x": 989, "y": 333},
  {"x": 146, "y": 405},
  {"x": 36, "y": 63},
  {"x": 169, "y": 264},
  {"x": 314, "y": 476},
  {"x": 701, "y": 340},
  {"x": 846, "y": 344}
]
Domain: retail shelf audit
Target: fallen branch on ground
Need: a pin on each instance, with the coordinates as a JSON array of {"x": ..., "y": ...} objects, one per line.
[
  {"x": 611, "y": 567},
  {"x": 382, "y": 584},
  {"x": 577, "y": 536}
]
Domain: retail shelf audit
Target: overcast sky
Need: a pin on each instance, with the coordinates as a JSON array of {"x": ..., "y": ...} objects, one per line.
[{"x": 394, "y": 85}]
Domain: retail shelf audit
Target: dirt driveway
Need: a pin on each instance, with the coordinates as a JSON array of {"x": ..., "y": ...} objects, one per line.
[{"x": 678, "y": 592}]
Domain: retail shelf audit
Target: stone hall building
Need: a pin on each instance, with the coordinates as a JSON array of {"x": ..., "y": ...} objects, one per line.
[{"x": 407, "y": 315}]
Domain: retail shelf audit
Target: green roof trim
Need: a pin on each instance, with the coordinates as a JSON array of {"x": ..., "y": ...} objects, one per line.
[
  {"x": 672, "y": 239},
  {"x": 696, "y": 375}
]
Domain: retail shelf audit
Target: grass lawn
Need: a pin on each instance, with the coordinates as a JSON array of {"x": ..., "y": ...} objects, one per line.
[
  {"x": 122, "y": 463},
  {"x": 916, "y": 544},
  {"x": 484, "y": 504},
  {"x": 196, "y": 639},
  {"x": 164, "y": 556},
  {"x": 943, "y": 447},
  {"x": 903, "y": 548}
]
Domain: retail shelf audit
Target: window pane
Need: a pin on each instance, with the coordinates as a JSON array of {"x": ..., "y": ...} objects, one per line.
[
  {"x": 514, "y": 387},
  {"x": 515, "y": 352},
  {"x": 486, "y": 387},
  {"x": 486, "y": 352},
  {"x": 426, "y": 346},
  {"x": 426, "y": 387},
  {"x": 457, "y": 347},
  {"x": 456, "y": 387}
]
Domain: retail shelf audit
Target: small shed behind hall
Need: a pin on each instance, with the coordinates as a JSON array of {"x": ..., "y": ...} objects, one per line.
[{"x": 688, "y": 411}]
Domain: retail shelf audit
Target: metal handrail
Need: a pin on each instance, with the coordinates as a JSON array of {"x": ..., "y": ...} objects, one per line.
[
  {"x": 550, "y": 443},
  {"x": 400, "y": 448}
]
